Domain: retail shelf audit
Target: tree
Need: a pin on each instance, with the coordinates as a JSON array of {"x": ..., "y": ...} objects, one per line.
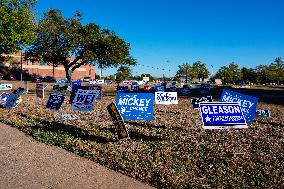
[
  {"x": 65, "y": 41},
  {"x": 200, "y": 69},
  {"x": 224, "y": 74},
  {"x": 248, "y": 75},
  {"x": 123, "y": 73},
  {"x": 263, "y": 75},
  {"x": 184, "y": 71},
  {"x": 16, "y": 25},
  {"x": 277, "y": 69},
  {"x": 235, "y": 72}
]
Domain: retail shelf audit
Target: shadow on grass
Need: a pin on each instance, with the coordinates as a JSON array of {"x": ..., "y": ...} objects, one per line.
[
  {"x": 140, "y": 136},
  {"x": 72, "y": 131},
  {"x": 147, "y": 124}
]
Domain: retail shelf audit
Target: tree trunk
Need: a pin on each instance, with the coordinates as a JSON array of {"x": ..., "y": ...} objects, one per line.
[{"x": 101, "y": 72}]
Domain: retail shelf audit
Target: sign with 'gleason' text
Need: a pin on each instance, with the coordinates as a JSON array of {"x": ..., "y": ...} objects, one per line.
[
  {"x": 248, "y": 103},
  {"x": 222, "y": 115},
  {"x": 166, "y": 98},
  {"x": 135, "y": 106}
]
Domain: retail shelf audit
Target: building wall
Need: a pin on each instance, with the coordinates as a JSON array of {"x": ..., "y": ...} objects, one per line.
[{"x": 45, "y": 70}]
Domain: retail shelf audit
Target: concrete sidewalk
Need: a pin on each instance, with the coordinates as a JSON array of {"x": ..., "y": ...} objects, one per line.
[{"x": 25, "y": 163}]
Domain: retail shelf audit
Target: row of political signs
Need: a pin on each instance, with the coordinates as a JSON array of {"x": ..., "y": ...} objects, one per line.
[{"x": 235, "y": 110}]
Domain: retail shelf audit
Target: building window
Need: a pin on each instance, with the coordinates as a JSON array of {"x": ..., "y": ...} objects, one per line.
[{"x": 42, "y": 63}]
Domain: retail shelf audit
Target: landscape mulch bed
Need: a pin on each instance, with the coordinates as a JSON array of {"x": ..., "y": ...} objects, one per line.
[{"x": 172, "y": 151}]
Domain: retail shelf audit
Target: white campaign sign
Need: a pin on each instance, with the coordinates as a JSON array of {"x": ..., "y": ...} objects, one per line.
[
  {"x": 5, "y": 87},
  {"x": 166, "y": 98}
]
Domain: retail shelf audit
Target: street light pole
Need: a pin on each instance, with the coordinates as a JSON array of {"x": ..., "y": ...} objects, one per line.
[{"x": 21, "y": 66}]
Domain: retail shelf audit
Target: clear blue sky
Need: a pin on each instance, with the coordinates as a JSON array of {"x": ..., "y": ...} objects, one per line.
[{"x": 166, "y": 33}]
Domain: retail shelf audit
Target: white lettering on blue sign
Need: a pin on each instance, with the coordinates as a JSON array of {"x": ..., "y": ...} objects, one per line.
[
  {"x": 135, "y": 106},
  {"x": 220, "y": 115},
  {"x": 248, "y": 103}
]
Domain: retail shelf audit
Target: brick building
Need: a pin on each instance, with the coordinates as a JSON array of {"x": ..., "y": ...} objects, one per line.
[{"x": 42, "y": 69}]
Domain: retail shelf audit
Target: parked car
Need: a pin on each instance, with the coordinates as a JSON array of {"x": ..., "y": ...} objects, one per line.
[
  {"x": 37, "y": 80},
  {"x": 48, "y": 79},
  {"x": 86, "y": 79}
]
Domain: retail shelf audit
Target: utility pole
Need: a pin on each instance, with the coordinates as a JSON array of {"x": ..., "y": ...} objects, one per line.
[{"x": 21, "y": 66}]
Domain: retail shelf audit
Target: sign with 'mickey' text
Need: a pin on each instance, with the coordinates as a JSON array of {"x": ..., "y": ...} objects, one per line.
[
  {"x": 118, "y": 122},
  {"x": 195, "y": 102},
  {"x": 135, "y": 106},
  {"x": 248, "y": 103},
  {"x": 166, "y": 98},
  {"x": 84, "y": 100},
  {"x": 222, "y": 115}
]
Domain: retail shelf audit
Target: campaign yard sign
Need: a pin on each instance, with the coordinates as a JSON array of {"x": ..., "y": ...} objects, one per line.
[
  {"x": 222, "y": 115},
  {"x": 3, "y": 98},
  {"x": 84, "y": 100},
  {"x": 118, "y": 122},
  {"x": 135, "y": 106},
  {"x": 12, "y": 101},
  {"x": 262, "y": 113},
  {"x": 19, "y": 91},
  {"x": 61, "y": 81},
  {"x": 135, "y": 88},
  {"x": 66, "y": 116},
  {"x": 248, "y": 103},
  {"x": 121, "y": 88},
  {"x": 97, "y": 89},
  {"x": 195, "y": 102},
  {"x": 159, "y": 88},
  {"x": 40, "y": 90},
  {"x": 76, "y": 83},
  {"x": 173, "y": 89},
  {"x": 55, "y": 101},
  {"x": 148, "y": 88},
  {"x": 6, "y": 87},
  {"x": 166, "y": 98}
]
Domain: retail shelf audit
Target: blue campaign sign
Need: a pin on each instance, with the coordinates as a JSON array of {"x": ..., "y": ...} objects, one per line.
[
  {"x": 222, "y": 115},
  {"x": 135, "y": 88},
  {"x": 122, "y": 88},
  {"x": 54, "y": 101},
  {"x": 3, "y": 98},
  {"x": 76, "y": 83},
  {"x": 262, "y": 113},
  {"x": 60, "y": 81},
  {"x": 135, "y": 106},
  {"x": 159, "y": 88},
  {"x": 248, "y": 103}
]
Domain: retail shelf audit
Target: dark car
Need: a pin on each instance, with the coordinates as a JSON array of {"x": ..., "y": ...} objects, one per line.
[
  {"x": 37, "y": 80},
  {"x": 48, "y": 79}
]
